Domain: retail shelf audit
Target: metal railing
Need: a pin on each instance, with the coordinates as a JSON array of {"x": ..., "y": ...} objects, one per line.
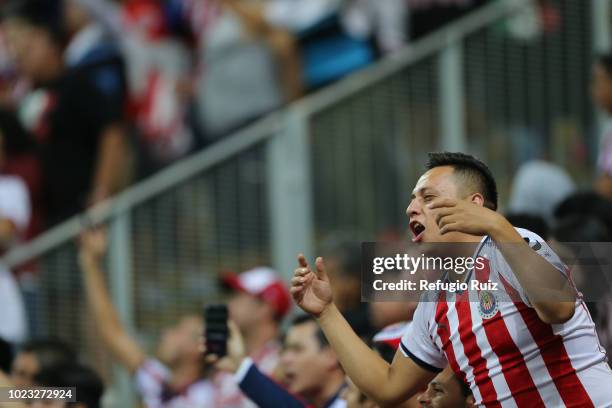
[{"x": 344, "y": 158}]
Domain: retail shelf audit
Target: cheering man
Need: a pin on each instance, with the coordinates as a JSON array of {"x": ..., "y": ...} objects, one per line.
[{"x": 537, "y": 349}]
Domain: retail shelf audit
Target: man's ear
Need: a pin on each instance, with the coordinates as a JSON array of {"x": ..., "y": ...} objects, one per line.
[
  {"x": 470, "y": 402},
  {"x": 477, "y": 199}
]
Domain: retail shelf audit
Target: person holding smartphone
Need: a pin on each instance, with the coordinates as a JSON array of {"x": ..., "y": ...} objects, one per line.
[
  {"x": 259, "y": 300},
  {"x": 175, "y": 376}
]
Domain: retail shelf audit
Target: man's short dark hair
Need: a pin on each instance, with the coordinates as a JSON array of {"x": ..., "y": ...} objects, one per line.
[
  {"x": 472, "y": 170},
  {"x": 303, "y": 319},
  {"x": 50, "y": 352},
  {"x": 89, "y": 387},
  {"x": 39, "y": 13}
]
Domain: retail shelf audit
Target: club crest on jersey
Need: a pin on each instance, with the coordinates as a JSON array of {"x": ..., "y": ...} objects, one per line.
[{"x": 487, "y": 306}]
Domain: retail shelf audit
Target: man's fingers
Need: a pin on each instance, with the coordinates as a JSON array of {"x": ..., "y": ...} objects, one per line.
[
  {"x": 297, "y": 293},
  {"x": 443, "y": 212},
  {"x": 453, "y": 226},
  {"x": 233, "y": 328},
  {"x": 320, "y": 268},
  {"x": 298, "y": 280},
  {"x": 302, "y": 261},
  {"x": 446, "y": 219},
  {"x": 211, "y": 358},
  {"x": 301, "y": 272}
]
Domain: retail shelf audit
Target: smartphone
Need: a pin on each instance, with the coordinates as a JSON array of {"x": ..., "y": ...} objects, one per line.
[{"x": 217, "y": 332}]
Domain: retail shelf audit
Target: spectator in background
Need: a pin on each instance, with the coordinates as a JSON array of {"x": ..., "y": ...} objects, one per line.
[
  {"x": 312, "y": 375},
  {"x": 88, "y": 385},
  {"x": 158, "y": 71},
  {"x": 333, "y": 40},
  {"x": 601, "y": 91},
  {"x": 19, "y": 159},
  {"x": 91, "y": 51},
  {"x": 78, "y": 132},
  {"x": 384, "y": 21},
  {"x": 427, "y": 16},
  {"x": 344, "y": 260},
  {"x": 310, "y": 365},
  {"x": 246, "y": 67},
  {"x": 258, "y": 304},
  {"x": 447, "y": 391},
  {"x": 586, "y": 203},
  {"x": 538, "y": 187},
  {"x": 15, "y": 213},
  {"x": 531, "y": 222},
  {"x": 176, "y": 376},
  {"x": 584, "y": 218},
  {"x": 36, "y": 356}
]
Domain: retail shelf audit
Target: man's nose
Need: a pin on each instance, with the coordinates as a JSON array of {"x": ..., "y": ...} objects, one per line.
[
  {"x": 285, "y": 358},
  {"x": 414, "y": 208},
  {"x": 423, "y": 399}
]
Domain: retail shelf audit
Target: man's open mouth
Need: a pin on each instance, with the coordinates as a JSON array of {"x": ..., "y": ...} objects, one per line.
[
  {"x": 289, "y": 377},
  {"x": 417, "y": 230}
]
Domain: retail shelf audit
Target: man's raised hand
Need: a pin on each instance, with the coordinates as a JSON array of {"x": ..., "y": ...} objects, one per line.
[
  {"x": 93, "y": 245},
  {"x": 310, "y": 289}
]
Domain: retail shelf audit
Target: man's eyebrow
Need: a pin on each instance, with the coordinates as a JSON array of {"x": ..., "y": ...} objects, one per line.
[{"x": 420, "y": 190}]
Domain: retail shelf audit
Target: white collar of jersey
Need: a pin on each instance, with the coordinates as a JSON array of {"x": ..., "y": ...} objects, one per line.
[{"x": 468, "y": 275}]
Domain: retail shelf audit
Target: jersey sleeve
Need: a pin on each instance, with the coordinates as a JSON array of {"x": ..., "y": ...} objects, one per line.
[
  {"x": 417, "y": 342},
  {"x": 150, "y": 379},
  {"x": 539, "y": 245}
]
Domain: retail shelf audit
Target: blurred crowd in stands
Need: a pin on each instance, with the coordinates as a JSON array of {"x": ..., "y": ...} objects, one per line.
[{"x": 97, "y": 94}]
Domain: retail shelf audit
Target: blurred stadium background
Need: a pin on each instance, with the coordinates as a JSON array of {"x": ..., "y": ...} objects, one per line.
[{"x": 508, "y": 82}]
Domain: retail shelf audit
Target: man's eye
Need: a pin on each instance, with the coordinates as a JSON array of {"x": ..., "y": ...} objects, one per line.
[{"x": 428, "y": 197}]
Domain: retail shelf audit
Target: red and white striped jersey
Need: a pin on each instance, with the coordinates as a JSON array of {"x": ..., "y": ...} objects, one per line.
[
  {"x": 152, "y": 383},
  {"x": 508, "y": 356}
]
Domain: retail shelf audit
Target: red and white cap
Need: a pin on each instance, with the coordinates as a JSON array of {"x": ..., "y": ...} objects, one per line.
[
  {"x": 391, "y": 335},
  {"x": 264, "y": 283}
]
